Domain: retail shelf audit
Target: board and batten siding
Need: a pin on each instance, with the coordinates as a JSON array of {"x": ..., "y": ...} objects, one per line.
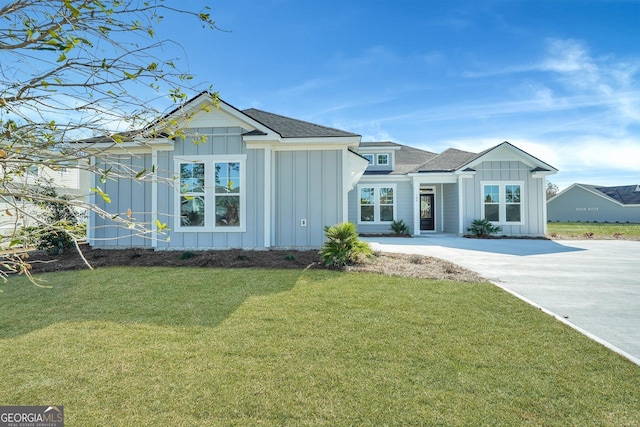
[
  {"x": 308, "y": 187},
  {"x": 507, "y": 171},
  {"x": 220, "y": 141},
  {"x": 125, "y": 194},
  {"x": 450, "y": 208}
]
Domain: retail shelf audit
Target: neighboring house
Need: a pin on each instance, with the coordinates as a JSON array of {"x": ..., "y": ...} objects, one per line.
[
  {"x": 262, "y": 180},
  {"x": 592, "y": 203},
  {"x": 67, "y": 180}
]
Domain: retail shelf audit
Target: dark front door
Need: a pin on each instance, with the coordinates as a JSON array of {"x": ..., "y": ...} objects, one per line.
[{"x": 427, "y": 218}]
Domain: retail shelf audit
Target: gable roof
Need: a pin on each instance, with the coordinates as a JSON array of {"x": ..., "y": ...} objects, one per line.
[
  {"x": 287, "y": 127},
  {"x": 622, "y": 194},
  {"x": 413, "y": 160}
]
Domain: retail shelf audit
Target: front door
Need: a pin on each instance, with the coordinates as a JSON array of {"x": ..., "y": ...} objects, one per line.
[{"x": 427, "y": 218}]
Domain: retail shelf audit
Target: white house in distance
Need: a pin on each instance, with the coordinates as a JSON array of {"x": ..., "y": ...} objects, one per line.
[
  {"x": 69, "y": 180},
  {"x": 262, "y": 180}
]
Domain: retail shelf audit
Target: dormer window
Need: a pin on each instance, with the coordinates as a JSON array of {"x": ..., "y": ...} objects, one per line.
[
  {"x": 368, "y": 157},
  {"x": 382, "y": 159}
]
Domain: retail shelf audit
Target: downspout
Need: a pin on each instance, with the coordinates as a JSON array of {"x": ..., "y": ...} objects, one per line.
[
  {"x": 92, "y": 201},
  {"x": 154, "y": 199},
  {"x": 346, "y": 183},
  {"x": 267, "y": 196}
]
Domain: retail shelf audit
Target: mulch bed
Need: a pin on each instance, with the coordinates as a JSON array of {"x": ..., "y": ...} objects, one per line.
[{"x": 384, "y": 263}]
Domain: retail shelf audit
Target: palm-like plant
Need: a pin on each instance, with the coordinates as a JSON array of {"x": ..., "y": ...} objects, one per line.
[{"x": 342, "y": 246}]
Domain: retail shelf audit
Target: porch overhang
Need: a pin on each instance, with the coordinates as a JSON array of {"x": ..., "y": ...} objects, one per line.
[{"x": 434, "y": 178}]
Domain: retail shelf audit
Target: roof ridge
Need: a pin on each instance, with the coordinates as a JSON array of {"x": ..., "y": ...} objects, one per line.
[{"x": 249, "y": 110}]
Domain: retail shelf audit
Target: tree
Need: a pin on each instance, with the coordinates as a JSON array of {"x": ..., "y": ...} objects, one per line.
[
  {"x": 552, "y": 190},
  {"x": 70, "y": 70}
]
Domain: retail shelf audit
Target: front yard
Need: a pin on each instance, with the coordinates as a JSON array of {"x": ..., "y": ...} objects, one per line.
[
  {"x": 593, "y": 230},
  {"x": 181, "y": 346}
]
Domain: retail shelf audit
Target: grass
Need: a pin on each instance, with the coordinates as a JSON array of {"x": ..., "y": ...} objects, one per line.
[
  {"x": 184, "y": 347},
  {"x": 600, "y": 230}
]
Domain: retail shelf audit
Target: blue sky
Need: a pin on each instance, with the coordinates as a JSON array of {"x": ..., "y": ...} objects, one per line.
[{"x": 559, "y": 79}]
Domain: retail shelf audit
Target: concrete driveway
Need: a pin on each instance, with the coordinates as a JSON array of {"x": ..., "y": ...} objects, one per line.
[{"x": 592, "y": 285}]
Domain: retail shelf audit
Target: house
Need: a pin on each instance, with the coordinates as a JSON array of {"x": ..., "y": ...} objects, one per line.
[
  {"x": 445, "y": 192},
  {"x": 261, "y": 180},
  {"x": 67, "y": 179},
  {"x": 592, "y": 203}
]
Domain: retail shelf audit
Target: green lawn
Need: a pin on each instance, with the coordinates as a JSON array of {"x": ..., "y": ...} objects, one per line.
[
  {"x": 195, "y": 347},
  {"x": 568, "y": 230}
]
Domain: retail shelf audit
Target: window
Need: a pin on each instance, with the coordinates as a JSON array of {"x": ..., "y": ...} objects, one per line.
[
  {"x": 211, "y": 193},
  {"x": 383, "y": 159},
  {"x": 368, "y": 157},
  {"x": 502, "y": 202},
  {"x": 377, "y": 203},
  {"x": 192, "y": 205}
]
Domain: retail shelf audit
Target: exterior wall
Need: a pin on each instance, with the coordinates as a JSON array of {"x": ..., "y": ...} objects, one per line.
[
  {"x": 579, "y": 205},
  {"x": 533, "y": 195},
  {"x": 220, "y": 141},
  {"x": 125, "y": 194},
  {"x": 131, "y": 194},
  {"x": 450, "y": 207},
  {"x": 308, "y": 187},
  {"x": 404, "y": 207}
]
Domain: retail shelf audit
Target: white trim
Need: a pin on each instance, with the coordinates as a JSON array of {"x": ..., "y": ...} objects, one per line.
[
  {"x": 92, "y": 201},
  {"x": 434, "y": 192},
  {"x": 209, "y": 161},
  {"x": 502, "y": 203},
  {"x": 376, "y": 203},
  {"x": 416, "y": 208},
  {"x": 267, "y": 197}
]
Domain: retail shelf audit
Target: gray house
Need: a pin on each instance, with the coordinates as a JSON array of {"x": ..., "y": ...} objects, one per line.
[
  {"x": 592, "y": 203},
  {"x": 261, "y": 180},
  {"x": 445, "y": 192}
]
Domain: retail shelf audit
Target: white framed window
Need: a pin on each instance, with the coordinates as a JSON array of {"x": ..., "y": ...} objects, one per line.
[
  {"x": 382, "y": 159},
  {"x": 211, "y": 193},
  {"x": 368, "y": 157},
  {"x": 376, "y": 204},
  {"x": 502, "y": 202}
]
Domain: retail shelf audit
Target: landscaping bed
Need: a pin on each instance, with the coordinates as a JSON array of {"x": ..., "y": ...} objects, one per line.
[{"x": 385, "y": 263}]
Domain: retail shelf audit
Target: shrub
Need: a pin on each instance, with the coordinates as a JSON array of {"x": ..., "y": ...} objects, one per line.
[
  {"x": 60, "y": 228},
  {"x": 399, "y": 228},
  {"x": 483, "y": 228},
  {"x": 342, "y": 246}
]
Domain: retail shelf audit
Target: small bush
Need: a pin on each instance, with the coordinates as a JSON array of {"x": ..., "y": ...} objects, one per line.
[
  {"x": 399, "y": 228},
  {"x": 483, "y": 228},
  {"x": 187, "y": 255},
  {"x": 415, "y": 259},
  {"x": 54, "y": 238},
  {"x": 342, "y": 246}
]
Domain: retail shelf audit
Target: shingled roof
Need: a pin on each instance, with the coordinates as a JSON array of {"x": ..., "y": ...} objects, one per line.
[
  {"x": 449, "y": 160},
  {"x": 625, "y": 194},
  {"x": 408, "y": 159},
  {"x": 287, "y": 127}
]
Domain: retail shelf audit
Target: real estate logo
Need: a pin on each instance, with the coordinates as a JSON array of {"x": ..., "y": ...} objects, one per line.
[{"x": 31, "y": 416}]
